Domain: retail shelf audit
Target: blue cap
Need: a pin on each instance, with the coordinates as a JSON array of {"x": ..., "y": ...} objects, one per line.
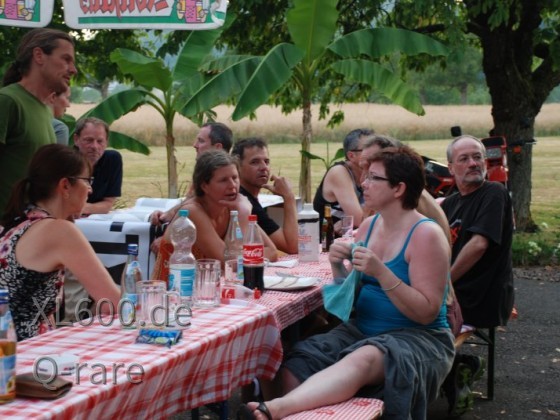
[
  {"x": 4, "y": 295},
  {"x": 133, "y": 249},
  {"x": 183, "y": 213}
]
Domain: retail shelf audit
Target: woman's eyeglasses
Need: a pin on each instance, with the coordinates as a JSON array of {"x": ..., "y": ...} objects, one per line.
[
  {"x": 372, "y": 177},
  {"x": 88, "y": 179}
]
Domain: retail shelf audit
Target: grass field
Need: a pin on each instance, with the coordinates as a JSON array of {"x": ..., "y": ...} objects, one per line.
[{"x": 145, "y": 176}]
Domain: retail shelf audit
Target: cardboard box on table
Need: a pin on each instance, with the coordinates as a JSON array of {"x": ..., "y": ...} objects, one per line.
[
  {"x": 110, "y": 240},
  {"x": 110, "y": 234}
]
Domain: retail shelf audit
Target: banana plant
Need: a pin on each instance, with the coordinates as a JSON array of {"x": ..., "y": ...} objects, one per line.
[
  {"x": 163, "y": 88},
  {"x": 316, "y": 50}
]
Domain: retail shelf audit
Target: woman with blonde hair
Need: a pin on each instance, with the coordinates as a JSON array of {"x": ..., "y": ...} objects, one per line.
[{"x": 216, "y": 192}]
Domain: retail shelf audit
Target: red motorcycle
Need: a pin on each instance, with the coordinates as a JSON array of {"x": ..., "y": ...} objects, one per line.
[{"x": 440, "y": 182}]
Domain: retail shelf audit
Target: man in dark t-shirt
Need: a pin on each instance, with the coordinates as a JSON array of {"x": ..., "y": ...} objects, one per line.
[
  {"x": 91, "y": 139},
  {"x": 254, "y": 174},
  {"x": 481, "y": 222}
]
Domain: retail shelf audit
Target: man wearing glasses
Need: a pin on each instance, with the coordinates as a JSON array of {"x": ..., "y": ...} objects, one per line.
[
  {"x": 91, "y": 139},
  {"x": 481, "y": 220},
  {"x": 340, "y": 187}
]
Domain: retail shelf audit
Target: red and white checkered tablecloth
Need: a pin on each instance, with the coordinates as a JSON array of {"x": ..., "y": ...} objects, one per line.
[
  {"x": 354, "y": 408},
  {"x": 224, "y": 348},
  {"x": 291, "y": 306}
]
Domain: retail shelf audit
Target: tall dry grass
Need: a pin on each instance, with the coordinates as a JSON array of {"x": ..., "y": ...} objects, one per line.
[
  {"x": 148, "y": 126},
  {"x": 146, "y": 176}
]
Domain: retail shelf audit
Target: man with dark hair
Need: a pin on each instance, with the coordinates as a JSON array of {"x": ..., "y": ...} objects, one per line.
[
  {"x": 91, "y": 138},
  {"x": 254, "y": 174},
  {"x": 213, "y": 135},
  {"x": 341, "y": 185},
  {"x": 44, "y": 64}
]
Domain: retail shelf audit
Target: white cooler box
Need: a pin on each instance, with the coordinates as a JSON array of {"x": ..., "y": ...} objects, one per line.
[{"x": 110, "y": 239}]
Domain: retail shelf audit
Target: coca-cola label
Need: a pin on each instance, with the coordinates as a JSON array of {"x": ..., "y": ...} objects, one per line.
[{"x": 253, "y": 254}]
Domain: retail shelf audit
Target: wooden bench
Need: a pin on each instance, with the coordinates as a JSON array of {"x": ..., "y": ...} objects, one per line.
[
  {"x": 480, "y": 337},
  {"x": 354, "y": 408}
]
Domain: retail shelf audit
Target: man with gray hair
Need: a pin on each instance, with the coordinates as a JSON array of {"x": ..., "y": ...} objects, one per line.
[
  {"x": 44, "y": 64},
  {"x": 481, "y": 221},
  {"x": 341, "y": 187}
]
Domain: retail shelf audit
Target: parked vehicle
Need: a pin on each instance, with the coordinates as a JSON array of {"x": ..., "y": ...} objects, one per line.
[{"x": 440, "y": 182}]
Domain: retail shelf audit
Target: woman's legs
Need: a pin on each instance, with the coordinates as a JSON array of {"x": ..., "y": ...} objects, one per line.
[{"x": 332, "y": 385}]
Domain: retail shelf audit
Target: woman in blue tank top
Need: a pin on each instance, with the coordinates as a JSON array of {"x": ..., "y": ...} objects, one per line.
[{"x": 398, "y": 345}]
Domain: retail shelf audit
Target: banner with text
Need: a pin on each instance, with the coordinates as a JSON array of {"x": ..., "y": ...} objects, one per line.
[
  {"x": 147, "y": 14},
  {"x": 26, "y": 13}
]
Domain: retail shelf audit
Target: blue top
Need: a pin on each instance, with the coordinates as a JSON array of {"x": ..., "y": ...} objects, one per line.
[{"x": 375, "y": 313}]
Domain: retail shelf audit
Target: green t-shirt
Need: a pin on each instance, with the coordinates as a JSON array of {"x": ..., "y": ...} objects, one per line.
[{"x": 25, "y": 125}]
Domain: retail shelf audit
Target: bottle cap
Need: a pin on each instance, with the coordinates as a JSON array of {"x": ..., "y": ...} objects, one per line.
[
  {"x": 233, "y": 212},
  {"x": 4, "y": 295},
  {"x": 133, "y": 249},
  {"x": 183, "y": 213},
  {"x": 252, "y": 218}
]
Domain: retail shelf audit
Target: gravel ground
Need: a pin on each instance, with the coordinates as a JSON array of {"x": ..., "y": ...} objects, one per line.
[{"x": 527, "y": 373}]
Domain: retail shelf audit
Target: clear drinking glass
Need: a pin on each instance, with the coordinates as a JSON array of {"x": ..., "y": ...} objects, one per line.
[
  {"x": 206, "y": 291},
  {"x": 347, "y": 229}
]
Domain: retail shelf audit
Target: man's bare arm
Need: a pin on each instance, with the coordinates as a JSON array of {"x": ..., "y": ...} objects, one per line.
[
  {"x": 468, "y": 256},
  {"x": 101, "y": 207},
  {"x": 285, "y": 238}
]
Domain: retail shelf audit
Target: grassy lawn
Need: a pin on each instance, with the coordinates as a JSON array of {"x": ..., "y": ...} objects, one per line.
[{"x": 145, "y": 176}]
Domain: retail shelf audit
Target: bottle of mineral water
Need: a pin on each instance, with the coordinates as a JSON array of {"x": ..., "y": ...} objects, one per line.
[
  {"x": 8, "y": 341},
  {"x": 234, "y": 243},
  {"x": 131, "y": 275},
  {"x": 308, "y": 234},
  {"x": 182, "y": 262}
]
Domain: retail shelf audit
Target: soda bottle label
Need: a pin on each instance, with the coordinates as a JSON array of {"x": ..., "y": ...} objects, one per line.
[
  {"x": 253, "y": 254},
  {"x": 238, "y": 233},
  {"x": 128, "y": 311},
  {"x": 240, "y": 267},
  {"x": 181, "y": 279},
  {"x": 7, "y": 359}
]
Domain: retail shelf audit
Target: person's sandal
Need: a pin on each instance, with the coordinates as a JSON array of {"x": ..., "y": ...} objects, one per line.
[{"x": 245, "y": 413}]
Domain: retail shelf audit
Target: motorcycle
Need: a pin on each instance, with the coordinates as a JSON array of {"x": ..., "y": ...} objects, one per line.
[{"x": 440, "y": 182}]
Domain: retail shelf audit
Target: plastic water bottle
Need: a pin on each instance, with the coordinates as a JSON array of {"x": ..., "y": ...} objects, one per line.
[
  {"x": 182, "y": 262},
  {"x": 8, "y": 340},
  {"x": 234, "y": 243},
  {"x": 131, "y": 275},
  {"x": 308, "y": 234},
  {"x": 253, "y": 256},
  {"x": 327, "y": 230}
]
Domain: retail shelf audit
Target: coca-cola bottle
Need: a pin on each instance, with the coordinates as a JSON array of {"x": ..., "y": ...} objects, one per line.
[{"x": 253, "y": 256}]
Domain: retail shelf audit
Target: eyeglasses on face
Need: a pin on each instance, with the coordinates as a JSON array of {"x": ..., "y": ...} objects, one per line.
[
  {"x": 88, "y": 179},
  {"x": 356, "y": 150},
  {"x": 372, "y": 177}
]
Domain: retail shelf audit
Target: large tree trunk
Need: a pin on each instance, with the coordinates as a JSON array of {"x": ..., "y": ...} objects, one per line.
[
  {"x": 305, "y": 170},
  {"x": 517, "y": 93}
]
